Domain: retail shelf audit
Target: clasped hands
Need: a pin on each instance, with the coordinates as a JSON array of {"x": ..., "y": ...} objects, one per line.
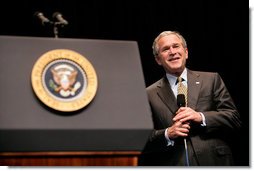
[{"x": 182, "y": 119}]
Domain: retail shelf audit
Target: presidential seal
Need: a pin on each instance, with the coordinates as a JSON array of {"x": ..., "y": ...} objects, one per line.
[{"x": 64, "y": 80}]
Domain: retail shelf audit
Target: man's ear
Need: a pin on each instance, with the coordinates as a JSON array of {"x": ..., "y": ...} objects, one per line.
[
  {"x": 186, "y": 51},
  {"x": 158, "y": 60}
]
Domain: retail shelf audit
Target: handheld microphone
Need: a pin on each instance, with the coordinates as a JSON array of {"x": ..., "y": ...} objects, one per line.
[
  {"x": 44, "y": 20},
  {"x": 58, "y": 16},
  {"x": 182, "y": 103},
  {"x": 181, "y": 100}
]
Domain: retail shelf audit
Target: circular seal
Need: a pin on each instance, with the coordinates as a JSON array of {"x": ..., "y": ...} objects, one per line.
[{"x": 64, "y": 80}]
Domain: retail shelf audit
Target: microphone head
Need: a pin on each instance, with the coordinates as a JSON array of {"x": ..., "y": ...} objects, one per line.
[
  {"x": 181, "y": 100},
  {"x": 37, "y": 13},
  {"x": 43, "y": 19},
  {"x": 58, "y": 16}
]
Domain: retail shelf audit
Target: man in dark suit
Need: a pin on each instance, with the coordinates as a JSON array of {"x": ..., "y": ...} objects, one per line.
[{"x": 199, "y": 133}]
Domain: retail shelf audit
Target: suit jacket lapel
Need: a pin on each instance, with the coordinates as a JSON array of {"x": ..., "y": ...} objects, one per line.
[
  {"x": 166, "y": 94},
  {"x": 194, "y": 85}
]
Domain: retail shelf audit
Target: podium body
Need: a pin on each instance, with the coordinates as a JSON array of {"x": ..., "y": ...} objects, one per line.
[{"x": 112, "y": 129}]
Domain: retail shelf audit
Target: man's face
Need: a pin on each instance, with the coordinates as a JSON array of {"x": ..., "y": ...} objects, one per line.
[{"x": 171, "y": 54}]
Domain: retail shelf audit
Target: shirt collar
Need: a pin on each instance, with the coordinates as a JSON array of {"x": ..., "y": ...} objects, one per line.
[{"x": 172, "y": 79}]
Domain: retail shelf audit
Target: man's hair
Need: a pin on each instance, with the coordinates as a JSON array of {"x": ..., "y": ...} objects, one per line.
[{"x": 166, "y": 33}]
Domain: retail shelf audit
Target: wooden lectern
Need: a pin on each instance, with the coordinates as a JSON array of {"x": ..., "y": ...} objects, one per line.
[
  {"x": 102, "y": 158},
  {"x": 110, "y": 131}
]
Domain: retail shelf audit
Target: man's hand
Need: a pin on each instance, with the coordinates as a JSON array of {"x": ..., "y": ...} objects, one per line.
[
  {"x": 178, "y": 129},
  {"x": 182, "y": 120},
  {"x": 186, "y": 114}
]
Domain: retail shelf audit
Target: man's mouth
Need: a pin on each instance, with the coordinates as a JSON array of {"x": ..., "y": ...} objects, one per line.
[{"x": 173, "y": 59}]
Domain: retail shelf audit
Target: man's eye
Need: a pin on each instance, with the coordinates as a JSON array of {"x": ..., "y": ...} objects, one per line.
[
  {"x": 176, "y": 46},
  {"x": 165, "y": 50}
]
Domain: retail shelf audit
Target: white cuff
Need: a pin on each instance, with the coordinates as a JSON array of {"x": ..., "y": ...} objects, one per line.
[
  {"x": 170, "y": 142},
  {"x": 203, "y": 119}
]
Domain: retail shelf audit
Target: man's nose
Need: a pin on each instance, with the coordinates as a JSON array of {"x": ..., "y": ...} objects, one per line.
[{"x": 172, "y": 51}]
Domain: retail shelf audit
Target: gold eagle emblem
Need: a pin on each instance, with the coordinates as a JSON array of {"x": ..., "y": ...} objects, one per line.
[
  {"x": 64, "y": 80},
  {"x": 64, "y": 76}
]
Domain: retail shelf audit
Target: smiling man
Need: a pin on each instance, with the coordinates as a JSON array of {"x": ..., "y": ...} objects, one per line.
[{"x": 196, "y": 133}]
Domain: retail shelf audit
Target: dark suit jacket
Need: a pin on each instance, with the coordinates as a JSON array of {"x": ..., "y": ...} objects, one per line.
[{"x": 209, "y": 145}]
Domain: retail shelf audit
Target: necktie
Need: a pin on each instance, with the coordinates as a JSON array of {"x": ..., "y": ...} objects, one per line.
[{"x": 182, "y": 89}]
